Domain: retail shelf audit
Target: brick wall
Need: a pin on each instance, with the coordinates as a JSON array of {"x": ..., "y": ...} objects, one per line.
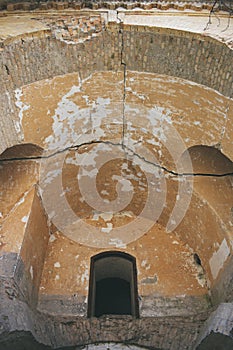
[
  {"x": 16, "y": 5},
  {"x": 24, "y": 60}
]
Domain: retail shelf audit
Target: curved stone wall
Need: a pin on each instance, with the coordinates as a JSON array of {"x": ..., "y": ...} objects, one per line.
[
  {"x": 38, "y": 56},
  {"x": 15, "y": 5},
  {"x": 54, "y": 114},
  {"x": 121, "y": 83}
]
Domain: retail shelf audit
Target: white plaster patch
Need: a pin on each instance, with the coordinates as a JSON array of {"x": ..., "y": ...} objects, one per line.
[
  {"x": 173, "y": 222},
  {"x": 135, "y": 93},
  {"x": 70, "y": 122},
  {"x": 22, "y": 107},
  {"x": 21, "y": 201},
  {"x": 108, "y": 228},
  {"x": 51, "y": 175},
  {"x": 31, "y": 272},
  {"x": 159, "y": 119},
  {"x": 106, "y": 216},
  {"x": 218, "y": 258},
  {"x": 104, "y": 192},
  {"x": 129, "y": 214},
  {"x": 57, "y": 277},
  {"x": 117, "y": 243},
  {"x": 144, "y": 262},
  {"x": 125, "y": 184},
  {"x": 25, "y": 218},
  {"x": 52, "y": 238},
  {"x": 85, "y": 276},
  {"x": 57, "y": 264},
  {"x": 89, "y": 173},
  {"x": 9, "y": 100},
  {"x": 175, "y": 242}
]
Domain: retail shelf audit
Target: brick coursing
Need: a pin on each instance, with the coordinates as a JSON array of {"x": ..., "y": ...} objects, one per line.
[{"x": 33, "y": 57}]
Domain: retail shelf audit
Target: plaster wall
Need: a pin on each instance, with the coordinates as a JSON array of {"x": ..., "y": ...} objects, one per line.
[
  {"x": 144, "y": 95},
  {"x": 60, "y": 111},
  {"x": 35, "y": 55}
]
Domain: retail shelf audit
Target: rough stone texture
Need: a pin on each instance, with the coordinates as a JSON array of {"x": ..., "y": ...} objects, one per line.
[
  {"x": 186, "y": 55},
  {"x": 168, "y": 320},
  {"x": 74, "y": 29},
  {"x": 217, "y": 332},
  {"x": 163, "y": 332},
  {"x": 64, "y": 305},
  {"x": 25, "y": 341},
  {"x": 24, "y": 270},
  {"x": 210, "y": 195},
  {"x": 151, "y": 306},
  {"x": 216, "y": 341},
  {"x": 222, "y": 291},
  {"x": 129, "y": 4},
  {"x": 159, "y": 51},
  {"x": 15, "y": 282},
  {"x": 176, "y": 306}
]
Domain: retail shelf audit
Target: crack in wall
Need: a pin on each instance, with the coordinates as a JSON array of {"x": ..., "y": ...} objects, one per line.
[
  {"x": 121, "y": 32},
  {"x": 128, "y": 151}
]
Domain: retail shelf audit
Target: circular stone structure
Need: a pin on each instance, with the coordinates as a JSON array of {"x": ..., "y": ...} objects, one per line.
[{"x": 116, "y": 176}]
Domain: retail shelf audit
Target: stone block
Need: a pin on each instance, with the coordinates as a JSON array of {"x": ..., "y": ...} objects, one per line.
[
  {"x": 59, "y": 6},
  {"x": 10, "y": 7}
]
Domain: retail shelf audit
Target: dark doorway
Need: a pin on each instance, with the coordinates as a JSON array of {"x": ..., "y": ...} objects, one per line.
[
  {"x": 112, "y": 297},
  {"x": 113, "y": 285}
]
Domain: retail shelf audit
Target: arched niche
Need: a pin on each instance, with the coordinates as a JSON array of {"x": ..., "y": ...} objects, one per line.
[
  {"x": 113, "y": 285},
  {"x": 209, "y": 160},
  {"x": 19, "y": 169},
  {"x": 26, "y": 150},
  {"x": 214, "y": 179}
]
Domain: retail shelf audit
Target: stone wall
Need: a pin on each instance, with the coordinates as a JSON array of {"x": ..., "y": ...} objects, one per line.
[
  {"x": 57, "y": 331},
  {"x": 17, "y": 5},
  {"x": 181, "y": 54},
  {"x": 217, "y": 330},
  {"x": 22, "y": 268},
  {"x": 22, "y": 327},
  {"x": 222, "y": 290},
  {"x": 33, "y": 57},
  {"x": 29, "y": 58}
]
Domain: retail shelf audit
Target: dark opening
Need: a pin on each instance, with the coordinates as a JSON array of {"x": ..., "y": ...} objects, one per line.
[
  {"x": 112, "y": 297},
  {"x": 197, "y": 259},
  {"x": 113, "y": 285}
]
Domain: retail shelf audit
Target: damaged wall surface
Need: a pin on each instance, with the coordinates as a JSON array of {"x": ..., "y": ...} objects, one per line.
[{"x": 116, "y": 135}]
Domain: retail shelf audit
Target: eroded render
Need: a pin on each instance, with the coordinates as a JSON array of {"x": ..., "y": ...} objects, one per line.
[{"x": 116, "y": 136}]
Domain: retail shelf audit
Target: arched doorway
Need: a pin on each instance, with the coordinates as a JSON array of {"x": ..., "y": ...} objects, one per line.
[{"x": 113, "y": 285}]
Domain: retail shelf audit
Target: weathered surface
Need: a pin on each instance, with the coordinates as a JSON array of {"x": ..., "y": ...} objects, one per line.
[
  {"x": 115, "y": 112},
  {"x": 217, "y": 332},
  {"x": 35, "y": 55}
]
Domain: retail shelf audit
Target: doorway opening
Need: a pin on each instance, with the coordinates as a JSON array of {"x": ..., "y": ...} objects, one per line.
[{"x": 113, "y": 285}]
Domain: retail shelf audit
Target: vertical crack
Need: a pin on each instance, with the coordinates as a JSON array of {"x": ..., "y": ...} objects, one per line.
[
  {"x": 7, "y": 69},
  {"x": 121, "y": 32}
]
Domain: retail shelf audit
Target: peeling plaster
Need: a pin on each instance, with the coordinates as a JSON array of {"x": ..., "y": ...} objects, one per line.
[
  {"x": 218, "y": 258},
  {"x": 31, "y": 272},
  {"x": 22, "y": 107},
  {"x": 108, "y": 228},
  {"x": 57, "y": 264},
  {"x": 25, "y": 219}
]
